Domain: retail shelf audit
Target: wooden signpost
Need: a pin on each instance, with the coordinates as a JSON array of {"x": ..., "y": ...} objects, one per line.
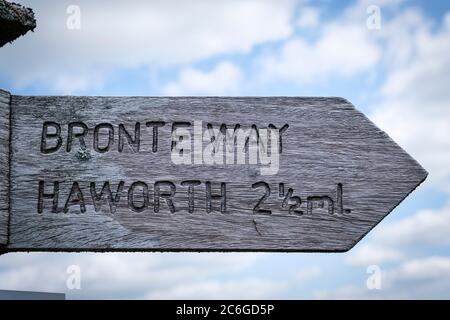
[{"x": 136, "y": 174}]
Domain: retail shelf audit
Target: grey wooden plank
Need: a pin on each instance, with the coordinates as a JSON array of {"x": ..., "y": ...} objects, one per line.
[
  {"x": 328, "y": 142},
  {"x": 4, "y": 165}
]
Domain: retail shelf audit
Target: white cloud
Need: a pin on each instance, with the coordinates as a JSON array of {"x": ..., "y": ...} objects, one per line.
[
  {"x": 124, "y": 275},
  {"x": 414, "y": 106},
  {"x": 425, "y": 278},
  {"x": 368, "y": 254},
  {"x": 426, "y": 227},
  {"x": 430, "y": 268},
  {"x": 414, "y": 111},
  {"x": 69, "y": 84},
  {"x": 309, "y": 18},
  {"x": 343, "y": 49},
  {"x": 243, "y": 289},
  {"x": 120, "y": 35},
  {"x": 309, "y": 274},
  {"x": 225, "y": 78},
  {"x": 429, "y": 227}
]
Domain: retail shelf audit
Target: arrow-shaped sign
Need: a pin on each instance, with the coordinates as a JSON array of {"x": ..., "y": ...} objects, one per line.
[{"x": 194, "y": 173}]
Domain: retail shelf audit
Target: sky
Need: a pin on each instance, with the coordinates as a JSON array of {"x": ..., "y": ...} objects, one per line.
[{"x": 389, "y": 58}]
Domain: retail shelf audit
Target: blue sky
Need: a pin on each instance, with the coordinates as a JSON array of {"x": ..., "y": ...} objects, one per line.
[{"x": 397, "y": 74}]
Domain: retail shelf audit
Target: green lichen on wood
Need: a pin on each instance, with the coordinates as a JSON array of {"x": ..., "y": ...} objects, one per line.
[{"x": 15, "y": 21}]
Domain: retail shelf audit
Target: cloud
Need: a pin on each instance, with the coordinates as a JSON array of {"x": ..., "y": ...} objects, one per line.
[
  {"x": 430, "y": 268},
  {"x": 225, "y": 78},
  {"x": 308, "y": 274},
  {"x": 429, "y": 227},
  {"x": 413, "y": 108},
  {"x": 124, "y": 275},
  {"x": 309, "y": 18},
  {"x": 344, "y": 48},
  {"x": 424, "y": 278},
  {"x": 426, "y": 227},
  {"x": 369, "y": 254},
  {"x": 70, "y": 84},
  {"x": 122, "y": 35},
  {"x": 236, "y": 289}
]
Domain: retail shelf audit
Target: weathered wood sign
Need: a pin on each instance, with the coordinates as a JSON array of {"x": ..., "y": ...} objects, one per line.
[{"x": 194, "y": 173}]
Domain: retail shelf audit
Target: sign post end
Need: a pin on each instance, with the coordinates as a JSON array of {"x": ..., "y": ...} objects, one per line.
[{"x": 5, "y": 111}]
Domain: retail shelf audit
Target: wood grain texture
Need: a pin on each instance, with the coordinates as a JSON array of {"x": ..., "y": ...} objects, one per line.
[
  {"x": 4, "y": 166},
  {"x": 328, "y": 142}
]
